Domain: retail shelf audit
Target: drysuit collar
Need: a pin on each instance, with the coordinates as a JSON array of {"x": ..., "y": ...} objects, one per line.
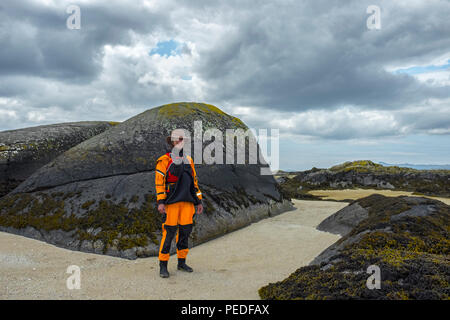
[{"x": 177, "y": 151}]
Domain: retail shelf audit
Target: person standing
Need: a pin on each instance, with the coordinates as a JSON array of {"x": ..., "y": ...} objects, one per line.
[{"x": 177, "y": 194}]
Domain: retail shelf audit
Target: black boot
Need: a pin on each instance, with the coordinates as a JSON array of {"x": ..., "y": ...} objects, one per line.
[
  {"x": 183, "y": 266},
  {"x": 163, "y": 269}
]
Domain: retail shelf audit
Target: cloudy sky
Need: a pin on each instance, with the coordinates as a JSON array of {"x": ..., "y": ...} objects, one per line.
[{"x": 336, "y": 89}]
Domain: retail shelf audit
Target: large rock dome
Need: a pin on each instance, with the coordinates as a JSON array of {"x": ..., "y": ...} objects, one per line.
[{"x": 99, "y": 195}]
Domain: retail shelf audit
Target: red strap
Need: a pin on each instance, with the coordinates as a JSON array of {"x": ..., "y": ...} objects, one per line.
[{"x": 169, "y": 177}]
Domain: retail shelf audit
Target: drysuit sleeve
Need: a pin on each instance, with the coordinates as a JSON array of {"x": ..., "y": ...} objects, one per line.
[
  {"x": 198, "y": 193},
  {"x": 160, "y": 179}
]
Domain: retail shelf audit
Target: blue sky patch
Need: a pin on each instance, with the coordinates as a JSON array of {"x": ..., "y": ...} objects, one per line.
[
  {"x": 167, "y": 48},
  {"x": 423, "y": 69}
]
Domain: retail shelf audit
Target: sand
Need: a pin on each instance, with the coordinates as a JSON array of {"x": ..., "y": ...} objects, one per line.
[
  {"x": 354, "y": 194},
  {"x": 231, "y": 267}
]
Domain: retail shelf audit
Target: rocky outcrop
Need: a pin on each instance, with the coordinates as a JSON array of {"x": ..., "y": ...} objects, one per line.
[
  {"x": 99, "y": 195},
  {"x": 366, "y": 174},
  {"x": 343, "y": 221},
  {"x": 406, "y": 237},
  {"x": 23, "y": 151}
]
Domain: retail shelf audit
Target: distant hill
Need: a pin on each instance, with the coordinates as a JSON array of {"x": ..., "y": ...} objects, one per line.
[
  {"x": 366, "y": 174},
  {"x": 418, "y": 166}
]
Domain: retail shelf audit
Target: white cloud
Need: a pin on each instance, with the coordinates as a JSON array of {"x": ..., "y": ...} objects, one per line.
[
  {"x": 341, "y": 123},
  {"x": 437, "y": 78},
  {"x": 311, "y": 69}
]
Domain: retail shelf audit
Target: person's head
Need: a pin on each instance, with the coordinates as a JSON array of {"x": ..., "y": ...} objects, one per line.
[{"x": 176, "y": 139}]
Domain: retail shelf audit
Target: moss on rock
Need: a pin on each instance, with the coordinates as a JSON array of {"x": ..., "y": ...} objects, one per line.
[
  {"x": 104, "y": 181},
  {"x": 411, "y": 248},
  {"x": 370, "y": 175},
  {"x": 130, "y": 228}
]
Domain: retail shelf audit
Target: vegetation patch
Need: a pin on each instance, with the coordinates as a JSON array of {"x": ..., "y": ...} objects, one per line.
[
  {"x": 232, "y": 201},
  {"x": 116, "y": 224},
  {"x": 369, "y": 175},
  {"x": 412, "y": 251}
]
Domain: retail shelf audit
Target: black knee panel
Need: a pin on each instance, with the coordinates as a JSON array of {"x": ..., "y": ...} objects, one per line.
[
  {"x": 183, "y": 236},
  {"x": 170, "y": 233}
]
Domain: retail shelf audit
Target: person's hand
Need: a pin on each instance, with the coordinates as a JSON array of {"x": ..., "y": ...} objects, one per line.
[
  {"x": 199, "y": 208},
  {"x": 161, "y": 208}
]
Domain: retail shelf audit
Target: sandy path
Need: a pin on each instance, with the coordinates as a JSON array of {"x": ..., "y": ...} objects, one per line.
[
  {"x": 361, "y": 193},
  {"x": 234, "y": 266}
]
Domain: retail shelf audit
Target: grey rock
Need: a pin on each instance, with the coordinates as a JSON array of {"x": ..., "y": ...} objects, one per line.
[
  {"x": 343, "y": 221},
  {"x": 73, "y": 244},
  {"x": 118, "y": 165},
  {"x": 385, "y": 185},
  {"x": 377, "y": 176},
  {"x": 86, "y": 246},
  {"x": 326, "y": 267},
  {"x": 421, "y": 210},
  {"x": 329, "y": 254},
  {"x": 149, "y": 250},
  {"x": 33, "y": 233},
  {"x": 23, "y": 151},
  {"x": 281, "y": 179},
  {"x": 98, "y": 246},
  {"x": 128, "y": 254},
  {"x": 113, "y": 251}
]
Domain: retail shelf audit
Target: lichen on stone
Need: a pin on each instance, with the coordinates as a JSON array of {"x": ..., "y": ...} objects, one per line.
[
  {"x": 130, "y": 227},
  {"x": 412, "y": 253}
]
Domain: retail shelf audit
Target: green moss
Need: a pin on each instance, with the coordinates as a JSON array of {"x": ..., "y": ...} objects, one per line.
[
  {"x": 351, "y": 175},
  {"x": 70, "y": 195},
  {"x": 130, "y": 227},
  {"x": 231, "y": 201},
  {"x": 413, "y": 256},
  {"x": 141, "y": 160},
  {"x": 208, "y": 207},
  {"x": 211, "y": 115},
  {"x": 416, "y": 278},
  {"x": 369, "y": 166},
  {"x": 293, "y": 188},
  {"x": 134, "y": 225},
  {"x": 87, "y": 204},
  {"x": 57, "y": 194},
  {"x": 238, "y": 122},
  {"x": 180, "y": 109}
]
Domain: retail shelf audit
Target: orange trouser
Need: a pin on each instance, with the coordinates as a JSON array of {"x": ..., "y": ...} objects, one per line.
[{"x": 181, "y": 214}]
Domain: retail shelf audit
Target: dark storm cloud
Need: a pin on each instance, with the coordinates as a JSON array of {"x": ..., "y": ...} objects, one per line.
[
  {"x": 314, "y": 62},
  {"x": 38, "y": 43},
  {"x": 428, "y": 119},
  {"x": 320, "y": 54}
]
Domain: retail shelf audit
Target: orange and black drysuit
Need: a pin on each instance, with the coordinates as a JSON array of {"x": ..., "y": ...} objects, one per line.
[{"x": 176, "y": 187}]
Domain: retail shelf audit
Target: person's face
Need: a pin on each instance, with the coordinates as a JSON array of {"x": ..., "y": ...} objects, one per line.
[
  {"x": 177, "y": 138},
  {"x": 177, "y": 142}
]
